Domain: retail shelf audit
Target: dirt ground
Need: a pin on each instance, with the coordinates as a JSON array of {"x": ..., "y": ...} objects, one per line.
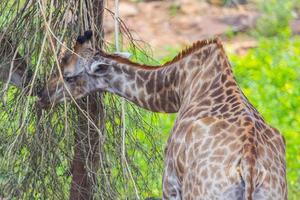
[
  {"x": 178, "y": 23},
  {"x": 174, "y": 24}
]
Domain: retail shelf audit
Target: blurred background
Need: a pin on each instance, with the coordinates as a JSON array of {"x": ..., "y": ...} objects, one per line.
[{"x": 166, "y": 25}]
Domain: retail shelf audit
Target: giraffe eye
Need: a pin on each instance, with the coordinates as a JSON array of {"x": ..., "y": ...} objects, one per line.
[
  {"x": 98, "y": 67},
  {"x": 101, "y": 69}
]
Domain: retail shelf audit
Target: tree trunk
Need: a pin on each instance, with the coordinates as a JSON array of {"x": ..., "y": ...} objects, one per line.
[
  {"x": 86, "y": 150},
  {"x": 88, "y": 141}
]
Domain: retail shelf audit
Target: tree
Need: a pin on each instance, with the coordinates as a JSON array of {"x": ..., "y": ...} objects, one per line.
[{"x": 66, "y": 152}]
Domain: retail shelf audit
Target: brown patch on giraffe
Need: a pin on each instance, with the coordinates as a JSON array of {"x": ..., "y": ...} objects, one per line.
[
  {"x": 229, "y": 92},
  {"x": 235, "y": 104},
  {"x": 227, "y": 140},
  {"x": 226, "y": 115},
  {"x": 260, "y": 151},
  {"x": 209, "y": 73},
  {"x": 219, "y": 99},
  {"x": 220, "y": 152},
  {"x": 150, "y": 87},
  {"x": 269, "y": 134},
  {"x": 118, "y": 70},
  {"x": 205, "y": 102},
  {"x": 224, "y": 78},
  {"x": 232, "y": 119},
  {"x": 234, "y": 146},
  {"x": 234, "y": 109},
  {"x": 216, "y": 108},
  {"x": 208, "y": 120},
  {"x": 229, "y": 98},
  {"x": 215, "y": 83},
  {"x": 243, "y": 138},
  {"x": 117, "y": 84},
  {"x": 218, "y": 127},
  {"x": 168, "y": 81},
  {"x": 203, "y": 89},
  {"x": 217, "y": 92},
  {"x": 139, "y": 81},
  {"x": 239, "y": 131},
  {"x": 224, "y": 108},
  {"x": 204, "y": 173},
  {"x": 189, "y": 134},
  {"x": 164, "y": 98},
  {"x": 153, "y": 105},
  {"x": 143, "y": 75},
  {"x": 176, "y": 79},
  {"x": 230, "y": 83}
]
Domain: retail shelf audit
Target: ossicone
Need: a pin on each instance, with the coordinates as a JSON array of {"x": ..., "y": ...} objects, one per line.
[
  {"x": 85, "y": 37},
  {"x": 88, "y": 34}
]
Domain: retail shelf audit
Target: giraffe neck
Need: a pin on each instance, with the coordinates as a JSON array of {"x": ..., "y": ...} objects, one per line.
[
  {"x": 155, "y": 89},
  {"x": 176, "y": 85}
]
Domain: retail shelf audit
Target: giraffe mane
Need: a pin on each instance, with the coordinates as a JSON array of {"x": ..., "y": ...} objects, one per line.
[
  {"x": 194, "y": 47},
  {"x": 184, "y": 53}
]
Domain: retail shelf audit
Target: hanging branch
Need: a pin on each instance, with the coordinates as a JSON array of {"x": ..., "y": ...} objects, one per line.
[
  {"x": 13, "y": 68},
  {"x": 43, "y": 154}
]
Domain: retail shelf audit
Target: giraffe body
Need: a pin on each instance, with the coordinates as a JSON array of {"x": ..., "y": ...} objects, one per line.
[{"x": 219, "y": 148}]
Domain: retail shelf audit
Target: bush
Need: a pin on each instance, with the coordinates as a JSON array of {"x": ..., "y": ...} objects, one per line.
[{"x": 275, "y": 18}]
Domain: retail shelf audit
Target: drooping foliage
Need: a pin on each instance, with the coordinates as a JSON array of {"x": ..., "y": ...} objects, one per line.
[{"x": 37, "y": 147}]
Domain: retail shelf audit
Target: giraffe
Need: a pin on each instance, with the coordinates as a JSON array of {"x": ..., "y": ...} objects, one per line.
[{"x": 219, "y": 148}]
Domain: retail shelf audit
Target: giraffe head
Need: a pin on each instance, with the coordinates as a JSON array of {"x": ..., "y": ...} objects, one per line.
[{"x": 83, "y": 71}]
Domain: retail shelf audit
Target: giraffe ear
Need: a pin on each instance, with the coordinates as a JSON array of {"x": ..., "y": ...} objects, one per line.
[
  {"x": 123, "y": 54},
  {"x": 98, "y": 67}
]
